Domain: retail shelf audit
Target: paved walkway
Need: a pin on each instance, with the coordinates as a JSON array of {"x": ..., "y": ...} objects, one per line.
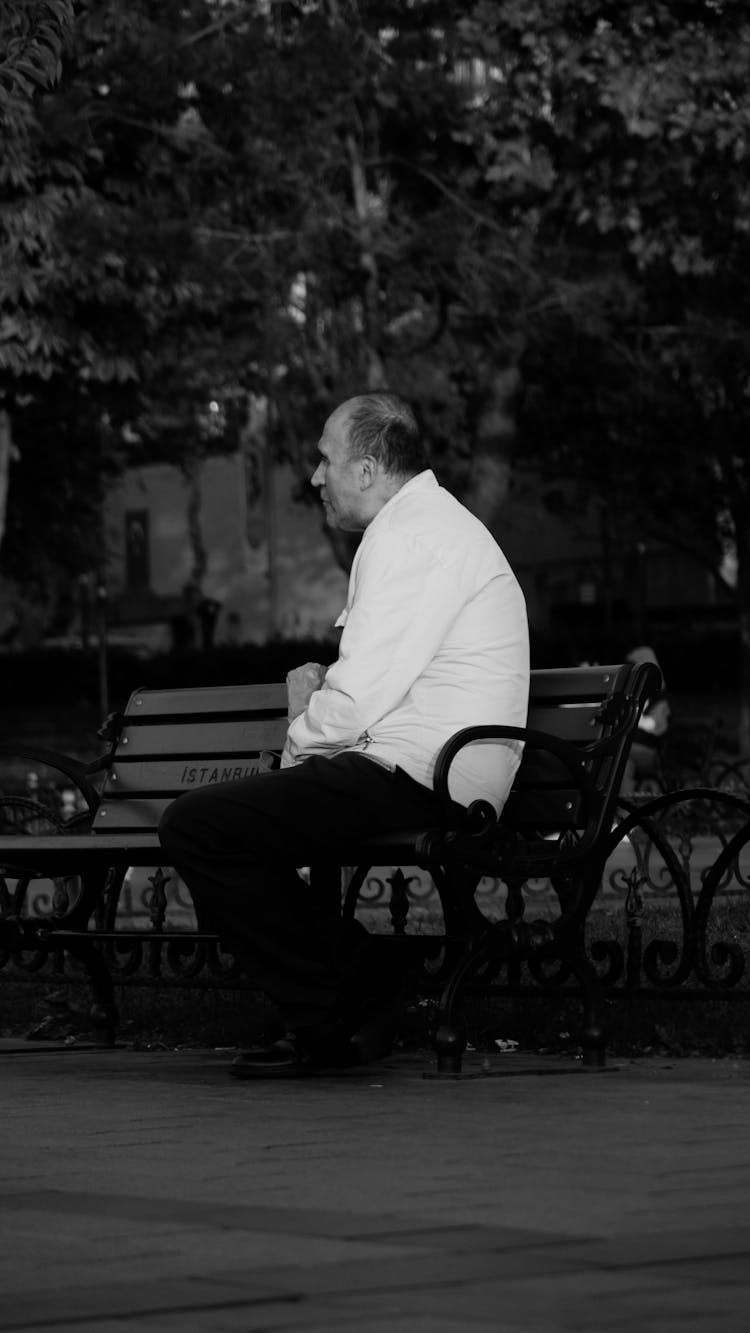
[{"x": 150, "y": 1191}]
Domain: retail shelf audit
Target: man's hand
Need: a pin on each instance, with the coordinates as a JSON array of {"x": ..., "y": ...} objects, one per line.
[{"x": 301, "y": 684}]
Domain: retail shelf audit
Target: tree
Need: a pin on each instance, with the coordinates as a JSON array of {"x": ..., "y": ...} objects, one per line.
[
  {"x": 296, "y": 200},
  {"x": 33, "y": 34},
  {"x": 118, "y": 310},
  {"x": 236, "y": 194},
  {"x": 395, "y": 267},
  {"x": 620, "y": 138}
]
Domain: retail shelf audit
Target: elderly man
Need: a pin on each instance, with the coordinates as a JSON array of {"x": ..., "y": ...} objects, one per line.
[{"x": 434, "y": 638}]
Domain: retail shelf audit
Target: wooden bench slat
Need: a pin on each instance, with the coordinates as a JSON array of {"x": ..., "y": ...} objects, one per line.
[
  {"x": 541, "y": 809},
  {"x": 208, "y": 699},
  {"x": 539, "y": 768},
  {"x": 570, "y": 684},
  {"x": 176, "y": 775},
  {"x": 59, "y": 854},
  {"x": 127, "y": 820},
  {"x": 579, "y": 722},
  {"x": 136, "y": 813},
  {"x": 209, "y": 737}
]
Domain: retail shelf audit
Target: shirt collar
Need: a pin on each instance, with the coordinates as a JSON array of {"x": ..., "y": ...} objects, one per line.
[{"x": 423, "y": 481}]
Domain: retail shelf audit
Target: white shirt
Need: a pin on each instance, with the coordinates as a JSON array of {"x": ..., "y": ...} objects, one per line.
[{"x": 434, "y": 638}]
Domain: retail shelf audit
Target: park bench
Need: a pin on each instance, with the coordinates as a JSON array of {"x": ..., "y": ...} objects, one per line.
[{"x": 556, "y": 824}]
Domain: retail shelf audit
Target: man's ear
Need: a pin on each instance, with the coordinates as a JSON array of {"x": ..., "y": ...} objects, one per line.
[{"x": 368, "y": 471}]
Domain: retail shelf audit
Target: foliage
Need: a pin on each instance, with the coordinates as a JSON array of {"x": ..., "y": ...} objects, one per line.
[
  {"x": 618, "y": 136},
  {"x": 244, "y": 201},
  {"x": 202, "y": 170},
  {"x": 33, "y": 34},
  {"x": 111, "y": 305},
  {"x": 635, "y": 122}
]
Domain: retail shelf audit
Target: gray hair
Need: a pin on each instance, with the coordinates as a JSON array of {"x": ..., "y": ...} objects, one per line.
[{"x": 384, "y": 425}]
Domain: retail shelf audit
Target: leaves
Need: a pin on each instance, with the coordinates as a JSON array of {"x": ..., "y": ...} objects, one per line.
[
  {"x": 33, "y": 37},
  {"x": 298, "y": 200}
]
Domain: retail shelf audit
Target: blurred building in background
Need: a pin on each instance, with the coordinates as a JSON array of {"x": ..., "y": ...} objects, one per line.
[
  {"x": 267, "y": 570},
  {"x": 192, "y": 562}
]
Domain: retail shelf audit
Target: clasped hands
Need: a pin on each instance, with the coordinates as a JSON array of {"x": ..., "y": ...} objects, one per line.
[{"x": 301, "y": 684}]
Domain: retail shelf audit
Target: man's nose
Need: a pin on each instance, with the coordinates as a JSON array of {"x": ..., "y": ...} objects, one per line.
[{"x": 317, "y": 476}]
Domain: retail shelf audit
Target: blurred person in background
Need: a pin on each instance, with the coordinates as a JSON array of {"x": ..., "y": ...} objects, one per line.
[{"x": 644, "y": 760}]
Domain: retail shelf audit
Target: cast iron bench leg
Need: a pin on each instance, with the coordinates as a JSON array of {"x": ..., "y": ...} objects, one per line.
[
  {"x": 449, "y": 1033},
  {"x": 593, "y": 1049}
]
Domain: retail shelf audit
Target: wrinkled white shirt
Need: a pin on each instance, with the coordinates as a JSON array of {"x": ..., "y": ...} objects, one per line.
[{"x": 434, "y": 638}]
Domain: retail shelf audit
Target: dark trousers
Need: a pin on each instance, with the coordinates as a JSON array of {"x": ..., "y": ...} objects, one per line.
[{"x": 237, "y": 846}]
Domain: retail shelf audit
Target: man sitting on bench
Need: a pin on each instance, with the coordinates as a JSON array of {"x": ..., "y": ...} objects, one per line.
[{"x": 434, "y": 638}]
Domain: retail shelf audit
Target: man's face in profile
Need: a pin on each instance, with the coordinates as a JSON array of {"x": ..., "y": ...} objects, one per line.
[{"x": 338, "y": 476}]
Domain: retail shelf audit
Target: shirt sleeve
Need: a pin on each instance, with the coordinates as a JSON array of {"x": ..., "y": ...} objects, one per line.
[{"x": 405, "y": 599}]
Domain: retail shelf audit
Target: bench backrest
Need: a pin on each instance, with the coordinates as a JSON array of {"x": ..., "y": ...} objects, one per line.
[
  {"x": 583, "y": 706},
  {"x": 172, "y": 741}
]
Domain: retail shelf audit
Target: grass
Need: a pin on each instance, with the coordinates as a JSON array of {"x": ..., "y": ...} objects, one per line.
[{"x": 153, "y": 1018}]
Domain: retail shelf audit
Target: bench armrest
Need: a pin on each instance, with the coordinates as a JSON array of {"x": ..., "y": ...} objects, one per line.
[
  {"x": 75, "y": 771},
  {"x": 576, "y": 759}
]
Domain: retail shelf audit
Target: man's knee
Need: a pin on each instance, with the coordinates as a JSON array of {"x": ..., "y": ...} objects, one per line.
[
  {"x": 232, "y": 813},
  {"x": 179, "y": 819}
]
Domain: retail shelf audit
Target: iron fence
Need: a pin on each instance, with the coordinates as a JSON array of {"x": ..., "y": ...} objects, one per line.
[{"x": 672, "y": 914}]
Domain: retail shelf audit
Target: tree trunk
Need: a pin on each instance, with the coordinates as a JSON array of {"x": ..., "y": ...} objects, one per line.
[
  {"x": 489, "y": 476},
  {"x": 193, "y": 590},
  {"x": 6, "y": 444},
  {"x": 743, "y": 736},
  {"x": 272, "y": 536},
  {"x": 743, "y": 607},
  {"x": 374, "y": 369},
  {"x": 344, "y": 544},
  {"x": 193, "y": 471},
  {"x": 375, "y": 372},
  {"x": 259, "y": 453}
]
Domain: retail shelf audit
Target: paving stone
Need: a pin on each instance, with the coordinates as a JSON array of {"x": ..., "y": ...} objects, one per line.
[
  {"x": 80, "y": 1306},
  {"x": 150, "y": 1190},
  {"x": 590, "y": 1301}
]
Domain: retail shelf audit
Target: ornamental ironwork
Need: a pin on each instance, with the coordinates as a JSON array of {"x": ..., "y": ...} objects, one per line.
[{"x": 671, "y": 912}]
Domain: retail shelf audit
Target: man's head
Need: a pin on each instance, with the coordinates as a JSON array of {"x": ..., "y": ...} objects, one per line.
[{"x": 370, "y": 446}]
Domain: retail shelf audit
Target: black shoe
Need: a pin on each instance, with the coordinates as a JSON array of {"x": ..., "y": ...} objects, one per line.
[
  {"x": 327, "y": 1046},
  {"x": 281, "y": 1059},
  {"x": 376, "y": 1031},
  {"x": 334, "y": 1046}
]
